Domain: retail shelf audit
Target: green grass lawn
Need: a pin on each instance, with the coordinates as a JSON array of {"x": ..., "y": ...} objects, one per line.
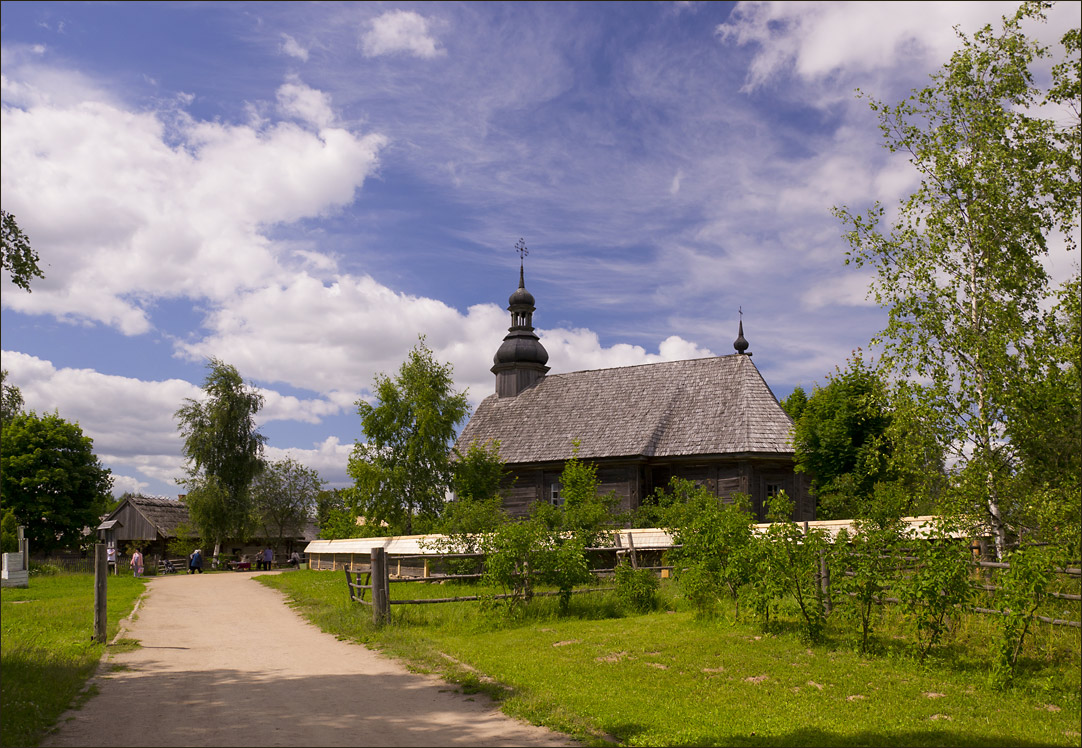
[
  {"x": 47, "y": 653},
  {"x": 666, "y": 678}
]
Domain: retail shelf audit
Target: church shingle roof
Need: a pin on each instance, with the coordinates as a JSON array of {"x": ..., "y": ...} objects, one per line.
[{"x": 706, "y": 406}]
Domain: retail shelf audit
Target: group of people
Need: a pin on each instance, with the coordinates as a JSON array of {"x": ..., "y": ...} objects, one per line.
[{"x": 264, "y": 560}]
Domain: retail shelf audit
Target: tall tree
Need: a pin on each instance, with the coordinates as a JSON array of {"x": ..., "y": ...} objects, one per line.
[
  {"x": 961, "y": 270},
  {"x": 284, "y": 497},
  {"x": 16, "y": 254},
  {"x": 11, "y": 400},
  {"x": 403, "y": 471},
  {"x": 224, "y": 451},
  {"x": 864, "y": 447},
  {"x": 51, "y": 480}
]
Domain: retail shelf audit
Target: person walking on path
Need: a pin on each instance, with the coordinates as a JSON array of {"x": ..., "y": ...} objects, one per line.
[
  {"x": 268, "y": 558},
  {"x": 195, "y": 562},
  {"x": 137, "y": 563}
]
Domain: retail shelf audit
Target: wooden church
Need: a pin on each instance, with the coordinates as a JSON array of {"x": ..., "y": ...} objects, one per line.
[{"x": 713, "y": 421}]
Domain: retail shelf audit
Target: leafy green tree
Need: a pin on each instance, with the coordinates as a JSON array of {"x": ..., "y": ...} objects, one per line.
[
  {"x": 403, "y": 471},
  {"x": 224, "y": 451},
  {"x": 713, "y": 538},
  {"x": 11, "y": 400},
  {"x": 794, "y": 556},
  {"x": 961, "y": 270},
  {"x": 284, "y": 497},
  {"x": 864, "y": 567},
  {"x": 937, "y": 586},
  {"x": 51, "y": 480},
  {"x": 16, "y": 254},
  {"x": 1044, "y": 425},
  {"x": 796, "y": 402},
  {"x": 858, "y": 441}
]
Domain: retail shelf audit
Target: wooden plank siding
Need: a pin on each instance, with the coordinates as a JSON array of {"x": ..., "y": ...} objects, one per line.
[{"x": 633, "y": 481}]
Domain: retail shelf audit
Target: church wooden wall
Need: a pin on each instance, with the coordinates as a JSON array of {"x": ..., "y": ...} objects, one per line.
[{"x": 633, "y": 482}]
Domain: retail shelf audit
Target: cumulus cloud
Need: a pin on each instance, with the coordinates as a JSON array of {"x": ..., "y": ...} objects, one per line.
[
  {"x": 125, "y": 207},
  {"x": 400, "y": 31},
  {"x": 816, "y": 40},
  {"x": 306, "y": 104}
]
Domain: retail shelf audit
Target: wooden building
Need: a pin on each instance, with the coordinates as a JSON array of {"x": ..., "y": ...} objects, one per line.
[
  {"x": 713, "y": 421},
  {"x": 151, "y": 522}
]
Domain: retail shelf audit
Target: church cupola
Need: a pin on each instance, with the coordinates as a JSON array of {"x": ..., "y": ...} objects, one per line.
[
  {"x": 741, "y": 344},
  {"x": 521, "y": 359}
]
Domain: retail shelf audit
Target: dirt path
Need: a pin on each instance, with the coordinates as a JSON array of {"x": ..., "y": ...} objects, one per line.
[{"x": 224, "y": 662}]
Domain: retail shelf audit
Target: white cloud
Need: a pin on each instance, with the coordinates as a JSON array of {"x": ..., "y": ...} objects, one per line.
[
  {"x": 817, "y": 40},
  {"x": 307, "y": 104},
  {"x": 400, "y": 31},
  {"x": 329, "y": 458},
  {"x": 291, "y": 47},
  {"x": 124, "y": 209}
]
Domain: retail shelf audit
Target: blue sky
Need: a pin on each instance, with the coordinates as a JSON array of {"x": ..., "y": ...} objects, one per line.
[{"x": 303, "y": 189}]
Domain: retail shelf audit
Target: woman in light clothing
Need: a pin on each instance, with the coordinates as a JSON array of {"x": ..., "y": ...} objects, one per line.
[{"x": 137, "y": 563}]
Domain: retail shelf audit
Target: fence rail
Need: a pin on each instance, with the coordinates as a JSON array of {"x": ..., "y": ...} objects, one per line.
[{"x": 378, "y": 580}]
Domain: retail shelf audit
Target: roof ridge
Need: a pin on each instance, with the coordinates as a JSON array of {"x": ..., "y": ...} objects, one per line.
[{"x": 640, "y": 366}]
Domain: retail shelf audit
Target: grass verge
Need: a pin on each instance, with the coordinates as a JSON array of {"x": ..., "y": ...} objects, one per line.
[
  {"x": 666, "y": 678},
  {"x": 47, "y": 653}
]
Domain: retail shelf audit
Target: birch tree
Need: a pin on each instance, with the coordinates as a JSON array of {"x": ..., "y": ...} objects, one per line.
[{"x": 961, "y": 269}]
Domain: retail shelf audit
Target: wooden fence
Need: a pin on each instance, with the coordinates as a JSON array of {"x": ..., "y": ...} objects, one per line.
[
  {"x": 379, "y": 570},
  {"x": 378, "y": 579}
]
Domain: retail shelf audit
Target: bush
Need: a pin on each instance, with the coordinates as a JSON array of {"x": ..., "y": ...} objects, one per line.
[{"x": 637, "y": 589}]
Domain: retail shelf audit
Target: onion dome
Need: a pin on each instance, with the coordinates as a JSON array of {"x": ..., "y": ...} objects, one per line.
[{"x": 740, "y": 344}]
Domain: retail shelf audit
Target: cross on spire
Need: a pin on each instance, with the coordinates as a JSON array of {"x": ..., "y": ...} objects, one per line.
[{"x": 520, "y": 247}]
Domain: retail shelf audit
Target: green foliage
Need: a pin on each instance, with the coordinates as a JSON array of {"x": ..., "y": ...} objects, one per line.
[
  {"x": 186, "y": 541},
  {"x": 637, "y": 589},
  {"x": 937, "y": 586},
  {"x": 224, "y": 453},
  {"x": 962, "y": 269},
  {"x": 214, "y": 513},
  {"x": 9, "y": 532},
  {"x": 476, "y": 509},
  {"x": 1044, "y": 424},
  {"x": 863, "y": 569},
  {"x": 11, "y": 400},
  {"x": 586, "y": 512},
  {"x": 511, "y": 554},
  {"x": 796, "y": 402},
  {"x": 17, "y": 256},
  {"x": 478, "y": 474},
  {"x": 715, "y": 539},
  {"x": 339, "y": 523},
  {"x": 403, "y": 471},
  {"x": 284, "y": 497},
  {"x": 1021, "y": 590},
  {"x": 51, "y": 480},
  {"x": 794, "y": 556},
  {"x": 855, "y": 438}
]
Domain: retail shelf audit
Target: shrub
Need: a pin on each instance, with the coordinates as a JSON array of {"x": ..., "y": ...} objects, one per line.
[
  {"x": 1021, "y": 590},
  {"x": 637, "y": 589},
  {"x": 937, "y": 585}
]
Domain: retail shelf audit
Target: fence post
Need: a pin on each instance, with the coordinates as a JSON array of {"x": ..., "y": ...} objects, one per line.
[
  {"x": 631, "y": 546},
  {"x": 381, "y": 608},
  {"x": 101, "y": 578},
  {"x": 824, "y": 580}
]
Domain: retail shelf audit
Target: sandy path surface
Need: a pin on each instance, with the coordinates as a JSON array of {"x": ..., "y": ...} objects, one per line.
[{"x": 224, "y": 662}]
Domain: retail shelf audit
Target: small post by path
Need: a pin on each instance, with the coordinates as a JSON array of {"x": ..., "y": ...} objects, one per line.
[
  {"x": 101, "y": 577},
  {"x": 381, "y": 605}
]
